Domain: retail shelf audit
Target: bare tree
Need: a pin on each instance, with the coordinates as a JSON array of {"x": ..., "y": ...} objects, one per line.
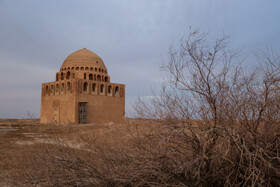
[{"x": 227, "y": 117}]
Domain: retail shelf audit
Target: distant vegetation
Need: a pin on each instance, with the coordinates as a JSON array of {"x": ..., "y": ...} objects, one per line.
[{"x": 214, "y": 123}]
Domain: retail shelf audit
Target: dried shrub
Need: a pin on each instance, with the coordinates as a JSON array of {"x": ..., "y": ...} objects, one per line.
[{"x": 224, "y": 117}]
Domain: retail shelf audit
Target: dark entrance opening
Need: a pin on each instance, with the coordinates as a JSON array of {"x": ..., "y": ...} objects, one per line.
[{"x": 83, "y": 112}]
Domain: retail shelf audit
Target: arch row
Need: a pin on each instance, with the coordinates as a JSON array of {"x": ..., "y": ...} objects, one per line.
[
  {"x": 96, "y": 77},
  {"x": 101, "y": 70},
  {"x": 100, "y": 89},
  {"x": 57, "y": 88},
  {"x": 85, "y": 88},
  {"x": 60, "y": 76}
]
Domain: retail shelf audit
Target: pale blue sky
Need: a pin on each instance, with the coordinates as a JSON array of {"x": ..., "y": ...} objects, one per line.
[{"x": 131, "y": 36}]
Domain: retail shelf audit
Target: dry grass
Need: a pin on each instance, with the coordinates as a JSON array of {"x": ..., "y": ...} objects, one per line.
[
  {"x": 136, "y": 153},
  {"x": 51, "y": 154}
]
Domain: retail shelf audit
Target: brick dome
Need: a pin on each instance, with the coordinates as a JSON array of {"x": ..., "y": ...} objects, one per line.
[{"x": 83, "y": 58}]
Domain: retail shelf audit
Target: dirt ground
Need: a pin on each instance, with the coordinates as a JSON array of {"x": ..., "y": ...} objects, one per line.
[
  {"x": 139, "y": 152},
  {"x": 28, "y": 135},
  {"x": 27, "y": 138}
]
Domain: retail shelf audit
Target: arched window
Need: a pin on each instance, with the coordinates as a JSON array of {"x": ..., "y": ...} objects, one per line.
[
  {"x": 51, "y": 88},
  {"x": 62, "y": 87},
  {"x": 99, "y": 70},
  {"x": 85, "y": 76},
  {"x": 47, "y": 89},
  {"x": 77, "y": 68},
  {"x": 68, "y": 75},
  {"x": 95, "y": 69},
  {"x": 98, "y": 78},
  {"x": 86, "y": 68},
  {"x": 93, "y": 87},
  {"x": 72, "y": 68},
  {"x": 61, "y": 76},
  {"x": 57, "y": 88},
  {"x": 109, "y": 89},
  {"x": 102, "y": 88},
  {"x": 85, "y": 86},
  {"x": 117, "y": 90},
  {"x": 57, "y": 77},
  {"x": 102, "y": 70},
  {"x": 68, "y": 87},
  {"x": 91, "y": 69},
  {"x": 82, "y": 68},
  {"x": 90, "y": 77},
  {"x": 106, "y": 79},
  {"x": 68, "y": 68}
]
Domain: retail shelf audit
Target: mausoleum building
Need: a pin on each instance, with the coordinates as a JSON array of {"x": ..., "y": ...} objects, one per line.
[{"x": 82, "y": 92}]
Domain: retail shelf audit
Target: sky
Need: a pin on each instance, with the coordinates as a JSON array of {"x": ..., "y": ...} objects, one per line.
[{"x": 131, "y": 36}]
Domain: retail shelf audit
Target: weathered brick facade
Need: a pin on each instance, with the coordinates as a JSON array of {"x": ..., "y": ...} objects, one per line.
[{"x": 82, "y": 92}]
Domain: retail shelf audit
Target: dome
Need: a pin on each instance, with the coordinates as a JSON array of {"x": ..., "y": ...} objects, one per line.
[{"x": 83, "y": 58}]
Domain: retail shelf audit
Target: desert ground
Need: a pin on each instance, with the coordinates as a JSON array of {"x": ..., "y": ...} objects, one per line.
[
  {"x": 29, "y": 151},
  {"x": 139, "y": 152}
]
